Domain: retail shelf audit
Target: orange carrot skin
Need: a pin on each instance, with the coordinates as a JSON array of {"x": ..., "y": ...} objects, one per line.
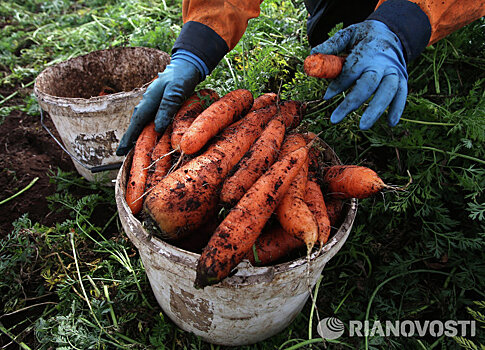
[
  {"x": 237, "y": 233},
  {"x": 262, "y": 154},
  {"x": 264, "y": 100},
  {"x": 293, "y": 213},
  {"x": 255, "y": 162},
  {"x": 215, "y": 118},
  {"x": 351, "y": 181},
  {"x": 291, "y": 113},
  {"x": 323, "y": 66},
  {"x": 139, "y": 172},
  {"x": 185, "y": 199},
  {"x": 273, "y": 245},
  {"x": 316, "y": 203},
  {"x": 334, "y": 210},
  {"x": 187, "y": 113},
  {"x": 161, "y": 155}
]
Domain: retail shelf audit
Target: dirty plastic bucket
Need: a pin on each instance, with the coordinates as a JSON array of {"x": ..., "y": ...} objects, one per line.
[
  {"x": 252, "y": 305},
  {"x": 91, "y": 126}
]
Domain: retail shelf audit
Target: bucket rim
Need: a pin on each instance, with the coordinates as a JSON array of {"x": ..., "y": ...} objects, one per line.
[
  {"x": 93, "y": 99},
  {"x": 57, "y": 100},
  {"x": 188, "y": 258}
]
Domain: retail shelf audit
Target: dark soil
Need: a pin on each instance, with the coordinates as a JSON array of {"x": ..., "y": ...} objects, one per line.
[{"x": 27, "y": 151}]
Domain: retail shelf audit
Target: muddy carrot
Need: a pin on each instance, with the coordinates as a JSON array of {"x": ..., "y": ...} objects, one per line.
[
  {"x": 187, "y": 113},
  {"x": 334, "y": 209},
  {"x": 139, "y": 167},
  {"x": 254, "y": 163},
  {"x": 215, "y": 118},
  {"x": 262, "y": 153},
  {"x": 293, "y": 213},
  {"x": 323, "y": 66},
  {"x": 291, "y": 113},
  {"x": 316, "y": 203},
  {"x": 273, "y": 245},
  {"x": 264, "y": 100},
  {"x": 237, "y": 233},
  {"x": 185, "y": 199},
  {"x": 352, "y": 181},
  {"x": 161, "y": 158}
]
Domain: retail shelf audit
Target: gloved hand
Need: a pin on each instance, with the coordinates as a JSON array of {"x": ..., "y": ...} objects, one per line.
[
  {"x": 163, "y": 98},
  {"x": 375, "y": 64}
]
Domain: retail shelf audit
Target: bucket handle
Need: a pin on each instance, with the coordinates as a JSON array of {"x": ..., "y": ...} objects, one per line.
[{"x": 93, "y": 169}]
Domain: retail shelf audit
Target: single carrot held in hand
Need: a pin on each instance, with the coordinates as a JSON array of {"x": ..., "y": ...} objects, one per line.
[
  {"x": 323, "y": 66},
  {"x": 161, "y": 158},
  {"x": 273, "y": 245},
  {"x": 187, "y": 113},
  {"x": 185, "y": 199},
  {"x": 352, "y": 181},
  {"x": 237, "y": 233},
  {"x": 316, "y": 203},
  {"x": 139, "y": 167},
  {"x": 215, "y": 118}
]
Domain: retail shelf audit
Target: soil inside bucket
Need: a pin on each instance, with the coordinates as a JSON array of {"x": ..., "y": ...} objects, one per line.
[{"x": 103, "y": 72}]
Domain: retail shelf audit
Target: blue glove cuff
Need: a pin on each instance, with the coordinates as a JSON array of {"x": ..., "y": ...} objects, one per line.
[
  {"x": 194, "y": 59},
  {"x": 408, "y": 21}
]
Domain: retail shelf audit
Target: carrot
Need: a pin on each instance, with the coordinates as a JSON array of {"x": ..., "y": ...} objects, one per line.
[
  {"x": 185, "y": 199},
  {"x": 237, "y": 233},
  {"x": 187, "y": 113},
  {"x": 254, "y": 163},
  {"x": 316, "y": 203},
  {"x": 139, "y": 167},
  {"x": 323, "y": 66},
  {"x": 106, "y": 90},
  {"x": 352, "y": 181},
  {"x": 261, "y": 155},
  {"x": 291, "y": 113},
  {"x": 264, "y": 100},
  {"x": 334, "y": 209},
  {"x": 273, "y": 245},
  {"x": 215, "y": 118},
  {"x": 292, "y": 142},
  {"x": 293, "y": 213},
  {"x": 162, "y": 158}
]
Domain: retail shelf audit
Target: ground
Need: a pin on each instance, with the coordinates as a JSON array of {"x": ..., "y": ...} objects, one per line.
[{"x": 27, "y": 151}]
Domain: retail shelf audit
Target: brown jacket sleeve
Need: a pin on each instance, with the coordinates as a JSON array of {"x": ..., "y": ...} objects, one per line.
[
  {"x": 447, "y": 16},
  {"x": 228, "y": 18}
]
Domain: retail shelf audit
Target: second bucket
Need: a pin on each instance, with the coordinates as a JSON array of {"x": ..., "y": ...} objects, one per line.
[{"x": 90, "y": 100}]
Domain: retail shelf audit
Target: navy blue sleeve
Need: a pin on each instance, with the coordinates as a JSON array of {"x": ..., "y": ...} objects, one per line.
[
  {"x": 408, "y": 22},
  {"x": 202, "y": 41}
]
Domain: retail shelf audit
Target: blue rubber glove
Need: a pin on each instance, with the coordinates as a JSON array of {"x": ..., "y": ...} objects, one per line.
[
  {"x": 375, "y": 64},
  {"x": 164, "y": 96}
]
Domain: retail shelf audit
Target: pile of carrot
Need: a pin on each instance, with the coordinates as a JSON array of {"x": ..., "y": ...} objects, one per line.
[{"x": 234, "y": 176}]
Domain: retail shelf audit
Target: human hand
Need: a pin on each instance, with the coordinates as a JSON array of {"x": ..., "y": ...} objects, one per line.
[
  {"x": 375, "y": 64},
  {"x": 161, "y": 100}
]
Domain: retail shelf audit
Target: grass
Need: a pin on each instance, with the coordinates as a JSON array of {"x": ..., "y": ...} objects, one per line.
[{"x": 413, "y": 255}]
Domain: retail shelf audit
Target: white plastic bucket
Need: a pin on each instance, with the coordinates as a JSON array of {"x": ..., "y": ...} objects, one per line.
[
  {"x": 253, "y": 304},
  {"x": 91, "y": 126}
]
